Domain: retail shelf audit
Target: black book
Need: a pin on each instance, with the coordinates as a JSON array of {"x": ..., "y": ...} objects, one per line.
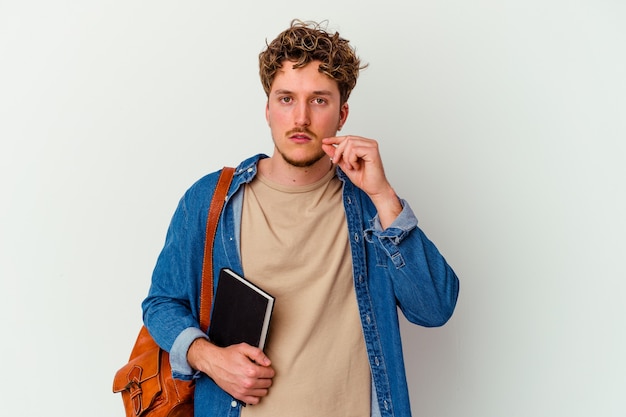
[{"x": 241, "y": 312}]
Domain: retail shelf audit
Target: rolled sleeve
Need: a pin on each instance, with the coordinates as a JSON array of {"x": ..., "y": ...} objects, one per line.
[
  {"x": 391, "y": 237},
  {"x": 404, "y": 223},
  {"x": 178, "y": 353}
]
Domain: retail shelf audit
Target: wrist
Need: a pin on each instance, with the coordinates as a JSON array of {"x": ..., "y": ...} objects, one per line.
[
  {"x": 197, "y": 352},
  {"x": 388, "y": 207}
]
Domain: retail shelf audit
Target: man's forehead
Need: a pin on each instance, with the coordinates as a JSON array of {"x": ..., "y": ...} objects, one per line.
[{"x": 287, "y": 73}]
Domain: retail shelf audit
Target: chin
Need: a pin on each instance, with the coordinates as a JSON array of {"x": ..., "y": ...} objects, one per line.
[{"x": 304, "y": 162}]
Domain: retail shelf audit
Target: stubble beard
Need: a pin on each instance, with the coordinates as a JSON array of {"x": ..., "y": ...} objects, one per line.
[{"x": 302, "y": 163}]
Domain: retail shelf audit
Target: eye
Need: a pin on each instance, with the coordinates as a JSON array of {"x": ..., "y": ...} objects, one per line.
[
  {"x": 319, "y": 100},
  {"x": 285, "y": 99}
]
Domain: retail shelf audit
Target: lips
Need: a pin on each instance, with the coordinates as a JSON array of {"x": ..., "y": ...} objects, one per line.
[{"x": 300, "y": 137}]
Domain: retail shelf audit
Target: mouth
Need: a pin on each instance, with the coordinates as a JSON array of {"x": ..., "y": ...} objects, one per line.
[{"x": 300, "y": 137}]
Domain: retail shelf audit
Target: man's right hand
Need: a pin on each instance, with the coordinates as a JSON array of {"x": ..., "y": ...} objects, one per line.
[{"x": 241, "y": 370}]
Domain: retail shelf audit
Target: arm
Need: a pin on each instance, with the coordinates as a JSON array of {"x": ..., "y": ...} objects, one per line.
[
  {"x": 425, "y": 286},
  {"x": 171, "y": 309}
]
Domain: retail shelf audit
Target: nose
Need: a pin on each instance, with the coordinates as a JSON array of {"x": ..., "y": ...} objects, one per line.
[{"x": 301, "y": 114}]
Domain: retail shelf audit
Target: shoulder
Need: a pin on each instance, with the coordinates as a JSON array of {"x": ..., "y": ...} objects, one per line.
[{"x": 202, "y": 189}]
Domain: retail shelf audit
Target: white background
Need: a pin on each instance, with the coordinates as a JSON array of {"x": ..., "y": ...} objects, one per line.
[{"x": 502, "y": 122}]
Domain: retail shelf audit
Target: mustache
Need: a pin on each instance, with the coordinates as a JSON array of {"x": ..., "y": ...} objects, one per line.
[{"x": 301, "y": 130}]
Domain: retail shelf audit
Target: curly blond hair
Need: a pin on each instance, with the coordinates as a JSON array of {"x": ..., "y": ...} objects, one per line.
[{"x": 304, "y": 42}]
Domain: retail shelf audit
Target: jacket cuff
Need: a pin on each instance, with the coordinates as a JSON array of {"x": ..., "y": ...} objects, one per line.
[
  {"x": 405, "y": 222},
  {"x": 178, "y": 354}
]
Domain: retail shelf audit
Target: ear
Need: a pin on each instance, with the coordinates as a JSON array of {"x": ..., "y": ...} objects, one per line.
[
  {"x": 343, "y": 115},
  {"x": 267, "y": 112}
]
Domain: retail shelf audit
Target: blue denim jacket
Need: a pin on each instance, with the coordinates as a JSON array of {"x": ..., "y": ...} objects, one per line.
[{"x": 396, "y": 267}]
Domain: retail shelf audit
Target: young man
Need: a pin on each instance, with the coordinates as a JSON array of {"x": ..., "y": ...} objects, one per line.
[{"x": 318, "y": 226}]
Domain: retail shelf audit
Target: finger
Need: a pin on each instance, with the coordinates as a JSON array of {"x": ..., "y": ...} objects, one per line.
[
  {"x": 253, "y": 389},
  {"x": 333, "y": 147},
  {"x": 329, "y": 150},
  {"x": 251, "y": 397},
  {"x": 334, "y": 140},
  {"x": 355, "y": 162},
  {"x": 349, "y": 155},
  {"x": 256, "y": 355}
]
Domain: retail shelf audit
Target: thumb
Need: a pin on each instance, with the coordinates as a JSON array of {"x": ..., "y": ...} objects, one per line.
[
  {"x": 329, "y": 150},
  {"x": 257, "y": 356}
]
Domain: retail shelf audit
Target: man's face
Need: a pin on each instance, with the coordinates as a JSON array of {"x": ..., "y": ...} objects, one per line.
[{"x": 303, "y": 108}]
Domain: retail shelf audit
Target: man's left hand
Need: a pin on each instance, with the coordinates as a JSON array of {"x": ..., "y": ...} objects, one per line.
[{"x": 360, "y": 159}]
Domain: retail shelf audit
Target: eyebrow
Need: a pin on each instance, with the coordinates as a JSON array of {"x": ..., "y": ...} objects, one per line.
[{"x": 315, "y": 93}]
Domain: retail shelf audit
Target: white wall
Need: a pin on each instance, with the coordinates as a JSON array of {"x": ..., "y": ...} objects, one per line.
[{"x": 502, "y": 122}]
